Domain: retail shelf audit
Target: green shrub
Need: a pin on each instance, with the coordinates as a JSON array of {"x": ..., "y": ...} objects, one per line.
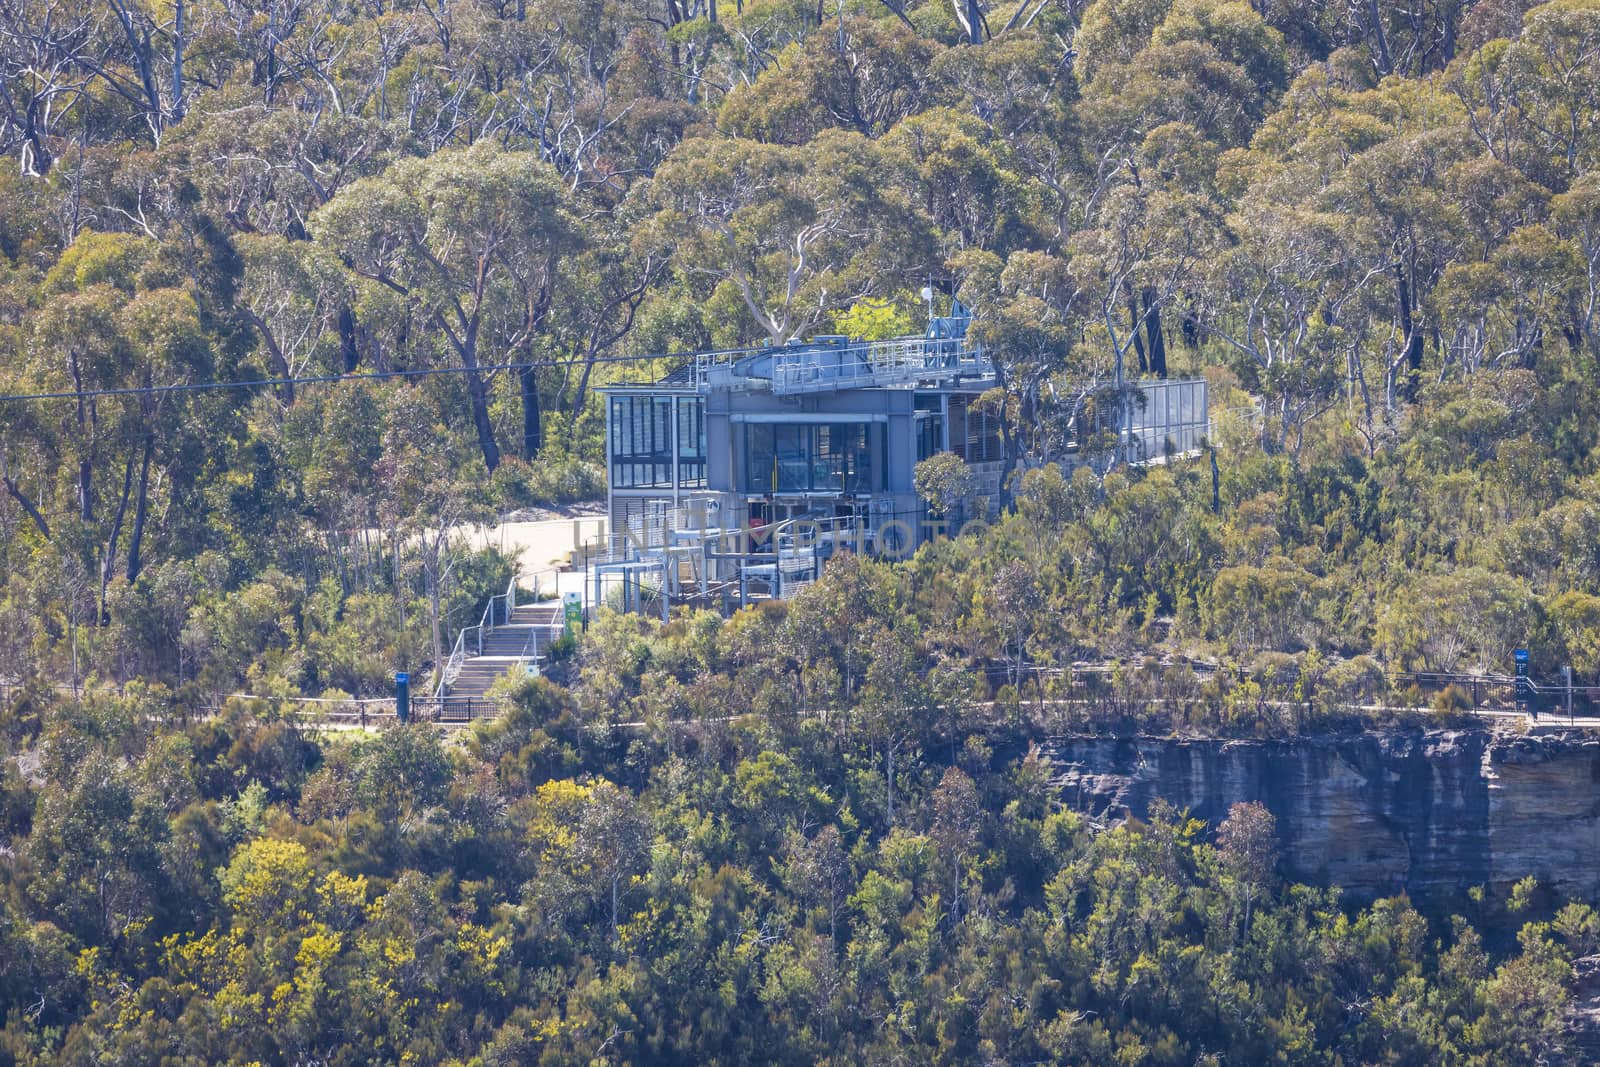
[{"x": 554, "y": 478}]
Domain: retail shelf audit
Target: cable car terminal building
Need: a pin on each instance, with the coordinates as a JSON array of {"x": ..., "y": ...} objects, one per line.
[{"x": 736, "y": 477}]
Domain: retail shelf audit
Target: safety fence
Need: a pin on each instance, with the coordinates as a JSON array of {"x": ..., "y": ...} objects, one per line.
[
  {"x": 1095, "y": 691},
  {"x": 1188, "y": 690}
]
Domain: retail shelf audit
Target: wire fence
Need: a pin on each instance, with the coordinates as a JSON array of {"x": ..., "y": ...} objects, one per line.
[
  {"x": 1190, "y": 690},
  {"x": 1093, "y": 691},
  {"x": 336, "y": 712}
]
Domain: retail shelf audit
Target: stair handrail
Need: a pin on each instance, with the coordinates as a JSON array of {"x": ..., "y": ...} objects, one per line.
[
  {"x": 531, "y": 643},
  {"x": 485, "y": 622},
  {"x": 486, "y": 625},
  {"x": 452, "y": 665}
]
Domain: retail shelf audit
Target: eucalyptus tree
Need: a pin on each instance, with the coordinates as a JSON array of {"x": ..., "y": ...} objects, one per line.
[
  {"x": 69, "y": 68},
  {"x": 289, "y": 295},
  {"x": 1022, "y": 87},
  {"x": 1501, "y": 311},
  {"x": 1554, "y": 67},
  {"x": 783, "y": 236},
  {"x": 611, "y": 842},
  {"x": 895, "y": 704},
  {"x": 1247, "y": 845},
  {"x": 1140, "y": 252},
  {"x": 1576, "y": 217},
  {"x": 1114, "y": 31},
  {"x": 1392, "y": 196},
  {"x": 1215, "y": 66},
  {"x": 600, "y": 293},
  {"x": 1409, "y": 41},
  {"x": 967, "y": 181},
  {"x": 471, "y": 240},
  {"x": 1009, "y": 602},
  {"x": 117, "y": 334},
  {"x": 957, "y": 829},
  {"x": 1376, "y": 160},
  {"x": 43, "y": 80},
  {"x": 171, "y": 346},
  {"x": 1469, "y": 618},
  {"x": 1027, "y": 315},
  {"x": 1279, "y": 297},
  {"x": 266, "y": 165},
  {"x": 866, "y": 77},
  {"x": 593, "y": 87},
  {"x": 427, "y": 489}
]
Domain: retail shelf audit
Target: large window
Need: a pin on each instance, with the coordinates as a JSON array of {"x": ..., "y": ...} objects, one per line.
[
  {"x": 793, "y": 458},
  {"x": 691, "y": 442},
  {"x": 930, "y": 434},
  {"x": 844, "y": 458},
  {"x": 641, "y": 442},
  {"x": 778, "y": 458}
]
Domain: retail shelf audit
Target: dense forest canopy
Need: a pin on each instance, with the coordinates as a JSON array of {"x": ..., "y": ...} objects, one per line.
[
  {"x": 541, "y": 891},
  {"x": 1373, "y": 227}
]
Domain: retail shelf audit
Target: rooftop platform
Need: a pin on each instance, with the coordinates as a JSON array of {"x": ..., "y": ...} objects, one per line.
[{"x": 831, "y": 363}]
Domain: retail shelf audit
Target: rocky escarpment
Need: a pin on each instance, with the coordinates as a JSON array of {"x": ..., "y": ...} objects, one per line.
[{"x": 1430, "y": 812}]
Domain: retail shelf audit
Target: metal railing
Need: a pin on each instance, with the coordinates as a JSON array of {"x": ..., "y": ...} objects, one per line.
[
  {"x": 457, "y": 710},
  {"x": 452, "y": 664},
  {"x": 812, "y": 366},
  {"x": 1552, "y": 700},
  {"x": 862, "y": 364},
  {"x": 530, "y": 647},
  {"x": 485, "y": 625}
]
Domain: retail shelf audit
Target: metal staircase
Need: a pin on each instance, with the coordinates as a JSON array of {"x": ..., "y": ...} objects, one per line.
[
  {"x": 506, "y": 639},
  {"x": 513, "y": 644}
]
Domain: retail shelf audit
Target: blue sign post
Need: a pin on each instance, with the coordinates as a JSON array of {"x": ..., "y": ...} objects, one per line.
[
  {"x": 1524, "y": 683},
  {"x": 402, "y": 696}
]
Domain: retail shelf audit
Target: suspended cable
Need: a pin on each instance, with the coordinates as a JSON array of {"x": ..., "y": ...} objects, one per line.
[{"x": 324, "y": 379}]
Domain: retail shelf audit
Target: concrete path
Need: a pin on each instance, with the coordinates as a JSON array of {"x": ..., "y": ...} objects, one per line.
[{"x": 540, "y": 548}]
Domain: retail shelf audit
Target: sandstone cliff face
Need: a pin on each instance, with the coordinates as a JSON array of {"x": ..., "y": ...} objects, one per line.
[{"x": 1432, "y": 813}]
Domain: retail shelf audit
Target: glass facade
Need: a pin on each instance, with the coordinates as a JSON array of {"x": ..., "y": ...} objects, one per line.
[
  {"x": 930, "y": 435},
  {"x": 807, "y": 458},
  {"x": 1168, "y": 418},
  {"x": 691, "y": 442},
  {"x": 643, "y": 433}
]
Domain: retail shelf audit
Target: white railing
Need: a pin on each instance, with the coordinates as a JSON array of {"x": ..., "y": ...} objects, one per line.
[
  {"x": 815, "y": 366},
  {"x": 452, "y": 665},
  {"x": 864, "y": 364},
  {"x": 707, "y": 362},
  {"x": 530, "y": 647},
  {"x": 486, "y": 625}
]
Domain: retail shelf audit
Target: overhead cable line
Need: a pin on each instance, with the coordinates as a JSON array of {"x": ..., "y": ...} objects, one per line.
[{"x": 324, "y": 379}]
